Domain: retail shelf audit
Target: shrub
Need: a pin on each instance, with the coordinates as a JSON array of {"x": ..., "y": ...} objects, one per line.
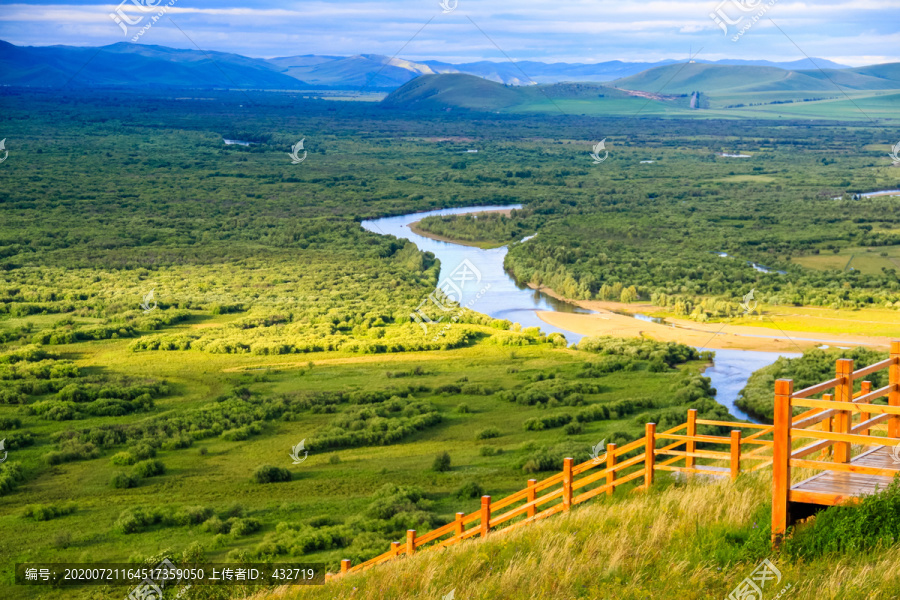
[
  {"x": 541, "y": 423},
  {"x": 241, "y": 527},
  {"x": 572, "y": 428},
  {"x": 270, "y": 474},
  {"x": 489, "y": 451},
  {"x": 135, "y": 520},
  {"x": 216, "y": 525},
  {"x": 471, "y": 489},
  {"x": 149, "y": 468},
  {"x": 45, "y": 512},
  {"x": 850, "y": 529},
  {"x": 486, "y": 434},
  {"x": 123, "y": 481},
  {"x": 123, "y": 459},
  {"x": 193, "y": 515},
  {"x": 441, "y": 462},
  {"x": 10, "y": 476},
  {"x": 143, "y": 451},
  {"x": 463, "y": 408},
  {"x": 334, "y": 459}
]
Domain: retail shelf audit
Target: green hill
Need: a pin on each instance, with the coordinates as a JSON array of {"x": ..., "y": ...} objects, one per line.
[
  {"x": 691, "y": 541},
  {"x": 712, "y": 79},
  {"x": 455, "y": 90}
]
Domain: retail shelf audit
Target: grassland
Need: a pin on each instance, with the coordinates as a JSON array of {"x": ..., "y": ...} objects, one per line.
[
  {"x": 276, "y": 318},
  {"x": 696, "y": 541}
]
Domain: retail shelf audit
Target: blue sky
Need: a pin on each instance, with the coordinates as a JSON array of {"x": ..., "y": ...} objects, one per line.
[{"x": 854, "y": 32}]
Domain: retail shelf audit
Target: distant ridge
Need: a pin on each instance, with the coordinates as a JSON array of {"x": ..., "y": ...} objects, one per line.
[{"x": 126, "y": 64}]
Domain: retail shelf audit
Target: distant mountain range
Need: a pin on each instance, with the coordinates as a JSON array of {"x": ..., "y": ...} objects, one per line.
[{"x": 125, "y": 64}]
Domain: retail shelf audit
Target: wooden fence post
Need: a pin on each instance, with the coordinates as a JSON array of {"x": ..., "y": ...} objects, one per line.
[
  {"x": 828, "y": 425},
  {"x": 735, "y": 453},
  {"x": 460, "y": 526},
  {"x": 781, "y": 458},
  {"x": 410, "y": 542},
  {"x": 894, "y": 394},
  {"x": 532, "y": 496},
  {"x": 485, "y": 515},
  {"x": 865, "y": 388},
  {"x": 345, "y": 565},
  {"x": 690, "y": 461},
  {"x": 567, "y": 483},
  {"x": 843, "y": 392},
  {"x": 650, "y": 454},
  {"x": 395, "y": 548},
  {"x": 610, "y": 473}
]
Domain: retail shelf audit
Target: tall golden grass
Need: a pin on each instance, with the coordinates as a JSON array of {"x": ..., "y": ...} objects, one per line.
[{"x": 675, "y": 542}]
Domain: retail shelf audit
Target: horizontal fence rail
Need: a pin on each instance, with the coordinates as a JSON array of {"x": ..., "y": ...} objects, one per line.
[
  {"x": 839, "y": 424},
  {"x": 829, "y": 421}
]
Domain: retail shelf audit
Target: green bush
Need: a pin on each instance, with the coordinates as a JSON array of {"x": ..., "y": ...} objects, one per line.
[
  {"x": 135, "y": 520},
  {"x": 124, "y": 481},
  {"x": 270, "y": 474},
  {"x": 470, "y": 489},
  {"x": 192, "y": 515},
  {"x": 573, "y": 428},
  {"x": 149, "y": 468},
  {"x": 123, "y": 459},
  {"x": 46, "y": 512},
  {"x": 852, "y": 529},
  {"x": 242, "y": 527},
  {"x": 441, "y": 462},
  {"x": 489, "y": 451},
  {"x": 486, "y": 434},
  {"x": 11, "y": 475}
]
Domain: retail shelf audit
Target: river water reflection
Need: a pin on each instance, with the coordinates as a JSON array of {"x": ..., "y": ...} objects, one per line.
[{"x": 508, "y": 299}]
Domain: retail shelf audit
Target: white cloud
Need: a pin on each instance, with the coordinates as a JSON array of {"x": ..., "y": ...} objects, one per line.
[{"x": 569, "y": 30}]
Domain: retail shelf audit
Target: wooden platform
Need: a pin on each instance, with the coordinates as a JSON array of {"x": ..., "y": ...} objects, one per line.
[{"x": 831, "y": 487}]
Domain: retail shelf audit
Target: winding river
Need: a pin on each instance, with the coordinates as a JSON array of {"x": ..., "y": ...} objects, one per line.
[{"x": 506, "y": 298}]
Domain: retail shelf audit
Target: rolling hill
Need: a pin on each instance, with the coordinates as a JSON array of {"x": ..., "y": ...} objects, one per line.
[
  {"x": 725, "y": 91},
  {"x": 721, "y": 79},
  {"x": 127, "y": 64}
]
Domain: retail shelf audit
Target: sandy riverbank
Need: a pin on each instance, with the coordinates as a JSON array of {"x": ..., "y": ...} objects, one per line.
[{"x": 707, "y": 335}]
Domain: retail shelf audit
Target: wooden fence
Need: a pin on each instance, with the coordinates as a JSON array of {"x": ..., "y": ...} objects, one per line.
[
  {"x": 834, "y": 423},
  {"x": 639, "y": 460}
]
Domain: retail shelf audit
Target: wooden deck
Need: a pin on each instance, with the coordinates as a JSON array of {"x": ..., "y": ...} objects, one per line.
[{"x": 834, "y": 487}]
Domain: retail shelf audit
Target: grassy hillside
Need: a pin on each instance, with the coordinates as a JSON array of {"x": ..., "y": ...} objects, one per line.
[
  {"x": 691, "y": 540},
  {"x": 727, "y": 91},
  {"x": 455, "y": 90}
]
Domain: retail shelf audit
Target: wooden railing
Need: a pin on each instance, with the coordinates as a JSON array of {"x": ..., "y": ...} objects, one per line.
[
  {"x": 603, "y": 474},
  {"x": 834, "y": 423}
]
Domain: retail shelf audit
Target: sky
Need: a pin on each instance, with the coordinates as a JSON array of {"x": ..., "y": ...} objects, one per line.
[{"x": 851, "y": 32}]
